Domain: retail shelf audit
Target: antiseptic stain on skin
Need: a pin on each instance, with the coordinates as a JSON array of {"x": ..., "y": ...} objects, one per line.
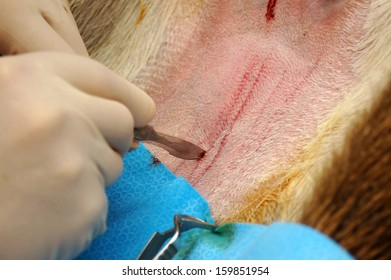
[
  {"x": 221, "y": 240},
  {"x": 143, "y": 11}
]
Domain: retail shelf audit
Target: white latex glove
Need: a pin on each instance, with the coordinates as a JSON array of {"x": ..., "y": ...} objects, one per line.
[
  {"x": 38, "y": 25},
  {"x": 65, "y": 121}
]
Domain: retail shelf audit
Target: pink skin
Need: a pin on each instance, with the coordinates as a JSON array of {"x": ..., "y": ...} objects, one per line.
[{"x": 251, "y": 89}]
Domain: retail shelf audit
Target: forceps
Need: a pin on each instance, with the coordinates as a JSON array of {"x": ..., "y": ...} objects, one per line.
[
  {"x": 175, "y": 146},
  {"x": 154, "y": 249}
]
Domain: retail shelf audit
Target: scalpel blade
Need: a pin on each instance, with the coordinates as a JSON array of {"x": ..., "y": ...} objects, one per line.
[{"x": 175, "y": 146}]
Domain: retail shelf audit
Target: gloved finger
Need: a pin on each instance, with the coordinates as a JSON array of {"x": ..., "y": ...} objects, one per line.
[
  {"x": 108, "y": 162},
  {"x": 85, "y": 219},
  {"x": 112, "y": 118},
  {"x": 88, "y": 143},
  {"x": 93, "y": 78},
  {"x": 58, "y": 15},
  {"x": 35, "y": 30}
]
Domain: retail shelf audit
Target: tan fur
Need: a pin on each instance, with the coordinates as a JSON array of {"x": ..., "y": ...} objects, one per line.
[
  {"x": 352, "y": 201},
  {"x": 128, "y": 35}
]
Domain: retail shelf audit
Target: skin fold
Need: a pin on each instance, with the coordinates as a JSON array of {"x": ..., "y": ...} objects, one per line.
[{"x": 273, "y": 90}]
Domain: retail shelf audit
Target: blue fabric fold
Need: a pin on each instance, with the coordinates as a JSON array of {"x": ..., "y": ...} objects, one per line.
[
  {"x": 278, "y": 241},
  {"x": 146, "y": 198}
]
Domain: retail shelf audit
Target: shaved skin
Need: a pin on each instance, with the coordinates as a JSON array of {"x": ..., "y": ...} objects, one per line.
[{"x": 250, "y": 82}]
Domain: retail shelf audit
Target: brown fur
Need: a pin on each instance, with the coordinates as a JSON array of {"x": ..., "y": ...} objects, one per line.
[{"x": 352, "y": 202}]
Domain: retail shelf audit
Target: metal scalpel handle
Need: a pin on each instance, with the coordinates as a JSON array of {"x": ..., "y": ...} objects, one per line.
[{"x": 175, "y": 146}]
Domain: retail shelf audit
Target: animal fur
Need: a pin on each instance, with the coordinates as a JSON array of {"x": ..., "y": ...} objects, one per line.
[
  {"x": 352, "y": 201},
  {"x": 344, "y": 169}
]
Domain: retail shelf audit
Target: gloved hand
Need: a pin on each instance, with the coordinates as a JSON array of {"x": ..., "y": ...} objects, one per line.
[
  {"x": 27, "y": 26},
  {"x": 65, "y": 122}
]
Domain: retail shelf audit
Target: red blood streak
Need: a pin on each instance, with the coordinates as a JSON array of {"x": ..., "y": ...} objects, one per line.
[
  {"x": 233, "y": 109},
  {"x": 201, "y": 155},
  {"x": 270, "y": 10},
  {"x": 248, "y": 97},
  {"x": 155, "y": 161}
]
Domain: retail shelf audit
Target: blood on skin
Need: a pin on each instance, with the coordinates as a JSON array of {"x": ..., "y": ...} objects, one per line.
[
  {"x": 155, "y": 161},
  {"x": 237, "y": 107},
  {"x": 201, "y": 155},
  {"x": 270, "y": 10}
]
